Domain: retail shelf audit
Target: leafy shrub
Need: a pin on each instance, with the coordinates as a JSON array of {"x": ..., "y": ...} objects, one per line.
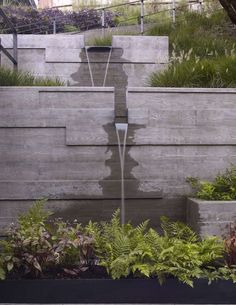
[
  {"x": 222, "y": 188},
  {"x": 34, "y": 248},
  {"x": 121, "y": 249},
  {"x": 230, "y": 246},
  {"x": 179, "y": 253},
  {"x": 10, "y": 77},
  {"x": 2, "y": 270},
  {"x": 30, "y": 21},
  {"x": 226, "y": 271},
  {"x": 70, "y": 28},
  {"x": 125, "y": 250},
  {"x": 37, "y": 248},
  {"x": 75, "y": 249}
]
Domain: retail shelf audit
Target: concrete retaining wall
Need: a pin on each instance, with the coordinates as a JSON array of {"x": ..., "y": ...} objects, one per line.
[
  {"x": 211, "y": 217},
  {"x": 61, "y": 143},
  {"x": 46, "y": 55},
  {"x": 178, "y": 133},
  {"x": 63, "y": 56},
  {"x": 128, "y": 62}
]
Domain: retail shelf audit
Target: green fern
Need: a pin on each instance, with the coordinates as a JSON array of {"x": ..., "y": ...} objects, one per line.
[
  {"x": 121, "y": 249},
  {"x": 177, "y": 230},
  {"x": 126, "y": 250},
  {"x": 223, "y": 187},
  {"x": 35, "y": 215},
  {"x": 2, "y": 270}
]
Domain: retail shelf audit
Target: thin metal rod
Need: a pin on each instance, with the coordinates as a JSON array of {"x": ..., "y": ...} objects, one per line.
[
  {"x": 15, "y": 53},
  {"x": 56, "y": 18},
  {"x": 173, "y": 11},
  {"x": 142, "y": 16},
  {"x": 54, "y": 27},
  {"x": 7, "y": 20},
  {"x": 7, "y": 54},
  {"x": 117, "y": 5},
  {"x": 103, "y": 22},
  {"x": 200, "y": 6},
  {"x": 12, "y": 27}
]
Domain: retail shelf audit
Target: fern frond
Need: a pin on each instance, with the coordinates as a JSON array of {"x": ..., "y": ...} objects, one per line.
[
  {"x": 177, "y": 230},
  {"x": 143, "y": 269}
]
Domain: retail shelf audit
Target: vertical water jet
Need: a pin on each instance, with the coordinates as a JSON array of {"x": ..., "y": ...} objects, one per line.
[{"x": 121, "y": 129}]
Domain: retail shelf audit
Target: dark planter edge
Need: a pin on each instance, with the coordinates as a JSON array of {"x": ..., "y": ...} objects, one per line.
[{"x": 105, "y": 291}]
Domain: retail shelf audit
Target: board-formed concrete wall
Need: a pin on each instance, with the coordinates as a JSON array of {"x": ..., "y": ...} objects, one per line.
[
  {"x": 142, "y": 55},
  {"x": 177, "y": 133},
  {"x": 53, "y": 145},
  {"x": 55, "y": 56},
  {"x": 128, "y": 62},
  {"x": 60, "y": 143},
  {"x": 64, "y": 56}
]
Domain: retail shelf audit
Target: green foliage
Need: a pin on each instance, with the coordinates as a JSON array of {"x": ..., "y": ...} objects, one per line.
[
  {"x": 101, "y": 41},
  {"x": 74, "y": 247},
  {"x": 35, "y": 247},
  {"x": 2, "y": 270},
  {"x": 12, "y": 78},
  {"x": 205, "y": 34},
  {"x": 121, "y": 249},
  {"x": 70, "y": 28},
  {"x": 28, "y": 246},
  {"x": 127, "y": 15},
  {"x": 214, "y": 73},
  {"x": 202, "y": 52},
  {"x": 222, "y": 188},
  {"x": 125, "y": 250},
  {"x": 179, "y": 253},
  {"x": 35, "y": 216},
  {"x": 177, "y": 230}
]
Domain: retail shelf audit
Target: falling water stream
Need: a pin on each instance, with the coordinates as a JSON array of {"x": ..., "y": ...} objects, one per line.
[
  {"x": 89, "y": 66},
  {"x": 121, "y": 129},
  {"x": 89, "y": 63}
]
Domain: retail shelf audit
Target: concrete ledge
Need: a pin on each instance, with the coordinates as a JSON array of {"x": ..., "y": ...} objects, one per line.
[
  {"x": 210, "y": 217},
  {"x": 59, "y": 89},
  {"x": 32, "y": 41},
  {"x": 180, "y": 89}
]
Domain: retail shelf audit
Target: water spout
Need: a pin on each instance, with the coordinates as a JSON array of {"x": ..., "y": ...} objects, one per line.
[{"x": 122, "y": 128}]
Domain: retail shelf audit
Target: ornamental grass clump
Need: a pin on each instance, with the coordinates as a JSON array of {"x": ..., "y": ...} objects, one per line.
[
  {"x": 10, "y": 77},
  {"x": 202, "y": 52},
  {"x": 205, "y": 73},
  {"x": 101, "y": 41}
]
